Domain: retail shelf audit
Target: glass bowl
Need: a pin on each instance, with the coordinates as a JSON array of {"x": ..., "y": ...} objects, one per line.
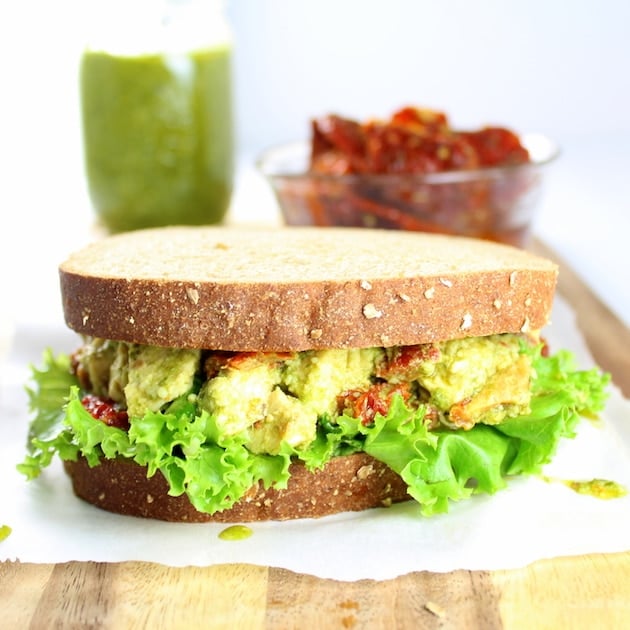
[{"x": 496, "y": 203}]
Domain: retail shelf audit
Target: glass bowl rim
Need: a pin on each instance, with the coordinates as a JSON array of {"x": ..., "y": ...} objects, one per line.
[{"x": 545, "y": 151}]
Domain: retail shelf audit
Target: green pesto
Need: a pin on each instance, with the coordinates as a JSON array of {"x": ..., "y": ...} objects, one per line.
[
  {"x": 5, "y": 532},
  {"x": 598, "y": 488},
  {"x": 235, "y": 532},
  {"x": 158, "y": 137}
]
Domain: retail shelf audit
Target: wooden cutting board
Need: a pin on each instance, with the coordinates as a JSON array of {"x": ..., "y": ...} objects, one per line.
[{"x": 579, "y": 592}]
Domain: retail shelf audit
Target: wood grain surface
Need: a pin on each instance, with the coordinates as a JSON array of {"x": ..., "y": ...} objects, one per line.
[{"x": 579, "y": 592}]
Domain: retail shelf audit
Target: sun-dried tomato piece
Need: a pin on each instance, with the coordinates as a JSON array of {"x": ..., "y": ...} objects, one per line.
[
  {"x": 338, "y": 145},
  {"x": 404, "y": 362},
  {"x": 217, "y": 360},
  {"x": 497, "y": 146},
  {"x": 366, "y": 403},
  {"x": 397, "y": 149},
  {"x": 422, "y": 119},
  {"x": 106, "y": 410}
]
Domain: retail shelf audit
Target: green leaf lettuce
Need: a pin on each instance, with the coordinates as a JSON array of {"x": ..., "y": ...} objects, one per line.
[{"x": 215, "y": 470}]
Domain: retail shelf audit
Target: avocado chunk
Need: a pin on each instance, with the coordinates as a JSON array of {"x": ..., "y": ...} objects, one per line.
[
  {"x": 464, "y": 366},
  {"x": 238, "y": 396},
  {"x": 157, "y": 376},
  {"x": 279, "y": 399},
  {"x": 317, "y": 377}
]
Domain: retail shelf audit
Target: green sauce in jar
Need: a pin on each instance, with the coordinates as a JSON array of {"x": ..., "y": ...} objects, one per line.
[{"x": 158, "y": 136}]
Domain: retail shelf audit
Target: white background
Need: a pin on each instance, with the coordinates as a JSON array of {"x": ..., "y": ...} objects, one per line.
[{"x": 553, "y": 66}]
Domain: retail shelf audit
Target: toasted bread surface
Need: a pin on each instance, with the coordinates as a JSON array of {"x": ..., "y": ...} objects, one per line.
[
  {"x": 266, "y": 289},
  {"x": 349, "y": 483}
]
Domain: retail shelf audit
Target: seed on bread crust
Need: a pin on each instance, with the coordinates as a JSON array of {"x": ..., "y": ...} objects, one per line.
[
  {"x": 192, "y": 294},
  {"x": 466, "y": 322},
  {"x": 370, "y": 311}
]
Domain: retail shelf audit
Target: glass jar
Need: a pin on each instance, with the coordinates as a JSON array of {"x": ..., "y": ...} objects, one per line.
[{"x": 156, "y": 104}]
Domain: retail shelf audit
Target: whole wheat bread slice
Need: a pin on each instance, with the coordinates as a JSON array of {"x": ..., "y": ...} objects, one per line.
[
  {"x": 348, "y": 483},
  {"x": 265, "y": 289}
]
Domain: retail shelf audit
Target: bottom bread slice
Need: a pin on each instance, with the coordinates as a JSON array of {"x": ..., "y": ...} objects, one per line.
[{"x": 348, "y": 483}]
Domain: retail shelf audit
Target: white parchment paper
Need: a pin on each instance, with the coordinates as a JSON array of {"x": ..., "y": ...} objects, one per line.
[{"x": 532, "y": 519}]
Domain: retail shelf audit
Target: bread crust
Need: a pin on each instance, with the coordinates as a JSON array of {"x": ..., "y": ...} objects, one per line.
[
  {"x": 349, "y": 483},
  {"x": 270, "y": 289}
]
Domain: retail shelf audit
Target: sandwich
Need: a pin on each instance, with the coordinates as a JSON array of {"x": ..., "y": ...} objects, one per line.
[{"x": 240, "y": 374}]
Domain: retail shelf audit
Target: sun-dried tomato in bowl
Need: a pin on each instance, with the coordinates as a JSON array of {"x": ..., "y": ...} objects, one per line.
[{"x": 413, "y": 171}]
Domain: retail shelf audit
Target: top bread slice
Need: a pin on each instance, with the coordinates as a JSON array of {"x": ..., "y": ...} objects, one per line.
[{"x": 294, "y": 288}]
